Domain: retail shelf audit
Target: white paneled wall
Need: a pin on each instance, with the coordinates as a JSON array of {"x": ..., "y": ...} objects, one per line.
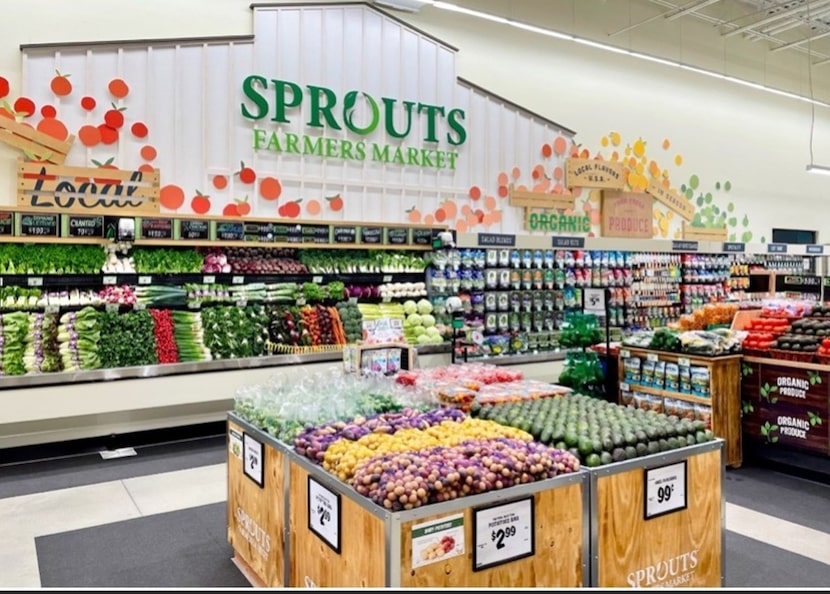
[{"x": 189, "y": 95}]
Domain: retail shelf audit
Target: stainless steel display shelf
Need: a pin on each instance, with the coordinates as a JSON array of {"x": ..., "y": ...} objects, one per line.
[
  {"x": 146, "y": 371},
  {"x": 523, "y": 359}
]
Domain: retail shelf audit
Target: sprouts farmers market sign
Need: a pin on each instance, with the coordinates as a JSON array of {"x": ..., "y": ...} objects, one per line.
[{"x": 279, "y": 102}]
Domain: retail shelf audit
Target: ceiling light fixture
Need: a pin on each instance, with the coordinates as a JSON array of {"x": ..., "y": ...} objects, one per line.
[
  {"x": 618, "y": 50},
  {"x": 820, "y": 169}
]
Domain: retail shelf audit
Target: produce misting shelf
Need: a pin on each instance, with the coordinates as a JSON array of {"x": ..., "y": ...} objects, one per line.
[
  {"x": 591, "y": 528},
  {"x": 103, "y": 279}
]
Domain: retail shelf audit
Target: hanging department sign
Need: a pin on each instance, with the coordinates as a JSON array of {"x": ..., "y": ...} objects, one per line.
[{"x": 280, "y": 102}]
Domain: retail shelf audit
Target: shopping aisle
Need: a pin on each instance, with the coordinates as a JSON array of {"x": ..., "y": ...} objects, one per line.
[{"x": 158, "y": 520}]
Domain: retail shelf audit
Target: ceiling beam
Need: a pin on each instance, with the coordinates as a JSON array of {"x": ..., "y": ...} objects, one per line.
[
  {"x": 690, "y": 9},
  {"x": 776, "y": 17},
  {"x": 651, "y": 19},
  {"x": 800, "y": 41}
]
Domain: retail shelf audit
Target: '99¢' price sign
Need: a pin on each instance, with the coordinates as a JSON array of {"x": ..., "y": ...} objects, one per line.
[{"x": 665, "y": 489}]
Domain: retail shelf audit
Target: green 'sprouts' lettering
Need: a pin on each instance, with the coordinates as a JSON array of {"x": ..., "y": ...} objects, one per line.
[
  {"x": 454, "y": 119},
  {"x": 322, "y": 108},
  {"x": 250, "y": 91},
  {"x": 389, "y": 117},
  {"x": 281, "y": 87},
  {"x": 349, "y": 102},
  {"x": 432, "y": 111}
]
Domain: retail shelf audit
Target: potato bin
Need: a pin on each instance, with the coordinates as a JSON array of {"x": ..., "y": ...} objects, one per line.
[
  {"x": 257, "y": 503},
  {"x": 530, "y": 535},
  {"x": 658, "y": 521}
]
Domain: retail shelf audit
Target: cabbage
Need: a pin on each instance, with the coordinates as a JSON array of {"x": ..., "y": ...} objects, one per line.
[
  {"x": 413, "y": 320},
  {"x": 424, "y": 307},
  {"x": 424, "y": 339},
  {"x": 432, "y": 331},
  {"x": 409, "y": 307},
  {"x": 418, "y": 330},
  {"x": 428, "y": 320},
  {"x": 436, "y": 339}
]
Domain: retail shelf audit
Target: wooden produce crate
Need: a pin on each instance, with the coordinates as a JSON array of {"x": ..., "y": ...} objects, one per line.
[
  {"x": 724, "y": 393},
  {"x": 257, "y": 513},
  {"x": 639, "y": 541},
  {"x": 364, "y": 545}
]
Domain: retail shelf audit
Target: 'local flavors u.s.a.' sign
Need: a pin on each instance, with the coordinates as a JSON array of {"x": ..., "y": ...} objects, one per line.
[{"x": 280, "y": 101}]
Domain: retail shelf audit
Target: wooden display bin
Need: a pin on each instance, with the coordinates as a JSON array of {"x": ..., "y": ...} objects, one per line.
[
  {"x": 376, "y": 548},
  {"x": 348, "y": 541},
  {"x": 658, "y": 521},
  {"x": 257, "y": 513},
  {"x": 724, "y": 398}
]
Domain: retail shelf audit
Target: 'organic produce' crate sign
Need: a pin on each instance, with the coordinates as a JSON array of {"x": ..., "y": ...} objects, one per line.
[
  {"x": 784, "y": 405},
  {"x": 59, "y": 188}
]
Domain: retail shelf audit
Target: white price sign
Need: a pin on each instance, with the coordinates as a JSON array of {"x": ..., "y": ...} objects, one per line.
[
  {"x": 503, "y": 533},
  {"x": 110, "y": 280},
  {"x": 594, "y": 300},
  {"x": 324, "y": 514},
  {"x": 209, "y": 280},
  {"x": 683, "y": 362},
  {"x": 665, "y": 489},
  {"x": 252, "y": 459},
  {"x": 652, "y": 357},
  {"x": 35, "y": 281},
  {"x": 145, "y": 280},
  {"x": 624, "y": 387},
  {"x": 625, "y": 353},
  {"x": 238, "y": 280}
]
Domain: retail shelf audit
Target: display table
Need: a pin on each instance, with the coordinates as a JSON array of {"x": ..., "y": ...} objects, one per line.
[
  {"x": 723, "y": 402},
  {"x": 785, "y": 404},
  {"x": 291, "y": 524},
  {"x": 658, "y": 521}
]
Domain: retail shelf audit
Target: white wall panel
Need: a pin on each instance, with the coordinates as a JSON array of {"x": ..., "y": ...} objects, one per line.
[{"x": 190, "y": 94}]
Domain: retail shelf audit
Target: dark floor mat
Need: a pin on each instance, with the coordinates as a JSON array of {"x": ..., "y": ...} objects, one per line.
[
  {"x": 49, "y": 475},
  {"x": 185, "y": 548}
]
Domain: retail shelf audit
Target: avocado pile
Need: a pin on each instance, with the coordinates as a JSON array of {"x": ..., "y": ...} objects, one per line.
[
  {"x": 805, "y": 335},
  {"x": 596, "y": 431}
]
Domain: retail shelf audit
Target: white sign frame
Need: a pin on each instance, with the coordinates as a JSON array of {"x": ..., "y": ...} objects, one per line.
[
  {"x": 589, "y": 295},
  {"x": 333, "y": 540},
  {"x": 652, "y": 476},
  {"x": 481, "y": 542},
  {"x": 252, "y": 446}
]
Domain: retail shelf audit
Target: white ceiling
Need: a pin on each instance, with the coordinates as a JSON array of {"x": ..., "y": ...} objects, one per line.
[{"x": 769, "y": 42}]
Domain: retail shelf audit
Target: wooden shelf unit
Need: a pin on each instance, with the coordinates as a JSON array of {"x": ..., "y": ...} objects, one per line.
[{"x": 724, "y": 398}]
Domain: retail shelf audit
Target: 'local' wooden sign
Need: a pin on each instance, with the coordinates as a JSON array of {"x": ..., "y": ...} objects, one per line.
[
  {"x": 671, "y": 199},
  {"x": 627, "y": 214},
  {"x": 47, "y": 187},
  {"x": 592, "y": 173}
]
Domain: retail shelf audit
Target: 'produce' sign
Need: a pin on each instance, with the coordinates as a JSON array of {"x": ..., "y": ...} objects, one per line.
[
  {"x": 281, "y": 102},
  {"x": 627, "y": 214}
]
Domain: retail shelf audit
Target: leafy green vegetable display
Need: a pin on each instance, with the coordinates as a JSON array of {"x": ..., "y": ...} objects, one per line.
[
  {"x": 18, "y": 258},
  {"x": 41, "y": 344},
  {"x": 166, "y": 261},
  {"x": 15, "y": 330},
  {"x": 127, "y": 340},
  {"x": 234, "y": 332},
  {"x": 353, "y": 261},
  {"x": 78, "y": 335}
]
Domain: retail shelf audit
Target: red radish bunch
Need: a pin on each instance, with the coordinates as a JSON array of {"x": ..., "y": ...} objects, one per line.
[{"x": 166, "y": 348}]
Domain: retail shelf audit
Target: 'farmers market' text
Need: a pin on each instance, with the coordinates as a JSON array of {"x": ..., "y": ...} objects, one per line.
[{"x": 341, "y": 148}]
